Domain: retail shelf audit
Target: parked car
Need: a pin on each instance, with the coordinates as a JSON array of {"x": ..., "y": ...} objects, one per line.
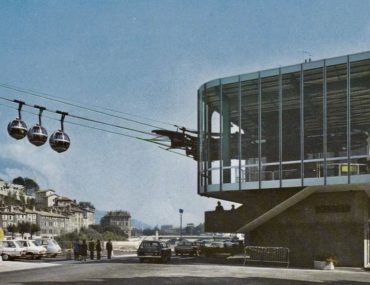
[
  {"x": 10, "y": 249},
  {"x": 51, "y": 246},
  {"x": 217, "y": 244},
  {"x": 186, "y": 247},
  {"x": 207, "y": 242},
  {"x": 154, "y": 250},
  {"x": 32, "y": 249}
]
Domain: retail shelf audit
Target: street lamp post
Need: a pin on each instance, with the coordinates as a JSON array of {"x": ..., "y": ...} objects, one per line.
[{"x": 181, "y": 211}]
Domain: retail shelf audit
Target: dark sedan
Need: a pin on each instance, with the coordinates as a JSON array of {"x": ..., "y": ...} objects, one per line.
[{"x": 154, "y": 250}]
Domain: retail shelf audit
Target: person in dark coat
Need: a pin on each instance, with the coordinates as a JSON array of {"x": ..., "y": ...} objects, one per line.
[
  {"x": 91, "y": 249},
  {"x": 109, "y": 248},
  {"x": 219, "y": 207},
  {"x": 83, "y": 250},
  {"x": 98, "y": 249},
  {"x": 76, "y": 249}
]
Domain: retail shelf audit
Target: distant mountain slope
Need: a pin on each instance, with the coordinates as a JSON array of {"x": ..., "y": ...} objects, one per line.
[
  {"x": 139, "y": 224},
  {"x": 98, "y": 215}
]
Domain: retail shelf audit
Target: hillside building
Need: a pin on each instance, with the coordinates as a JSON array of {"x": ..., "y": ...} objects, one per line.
[{"x": 121, "y": 219}]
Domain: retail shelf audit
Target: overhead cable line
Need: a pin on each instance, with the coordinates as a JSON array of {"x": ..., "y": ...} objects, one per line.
[
  {"x": 102, "y": 130},
  {"x": 156, "y": 141},
  {"x": 85, "y": 119},
  {"x": 81, "y": 125},
  {"x": 78, "y": 105}
]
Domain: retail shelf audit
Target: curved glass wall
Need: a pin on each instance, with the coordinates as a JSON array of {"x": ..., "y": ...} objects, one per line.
[{"x": 293, "y": 126}]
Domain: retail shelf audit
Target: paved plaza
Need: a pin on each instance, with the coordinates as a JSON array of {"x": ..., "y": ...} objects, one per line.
[{"x": 128, "y": 270}]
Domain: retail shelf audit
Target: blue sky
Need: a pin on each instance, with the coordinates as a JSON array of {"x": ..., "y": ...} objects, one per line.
[{"x": 147, "y": 58}]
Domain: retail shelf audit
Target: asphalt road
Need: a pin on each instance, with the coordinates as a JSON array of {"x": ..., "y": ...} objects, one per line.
[{"x": 128, "y": 270}]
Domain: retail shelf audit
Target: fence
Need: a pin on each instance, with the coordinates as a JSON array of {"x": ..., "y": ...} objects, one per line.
[{"x": 261, "y": 254}]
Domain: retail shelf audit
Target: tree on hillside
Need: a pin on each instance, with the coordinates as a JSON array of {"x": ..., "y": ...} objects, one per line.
[
  {"x": 22, "y": 199},
  {"x": 24, "y": 227},
  {"x": 28, "y": 183},
  {"x": 114, "y": 229},
  {"x": 97, "y": 227},
  {"x": 34, "y": 229},
  {"x": 12, "y": 229},
  {"x": 31, "y": 203},
  {"x": 148, "y": 232},
  {"x": 19, "y": 180}
]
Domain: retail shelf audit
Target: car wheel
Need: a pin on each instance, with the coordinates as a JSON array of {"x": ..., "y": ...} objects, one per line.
[{"x": 5, "y": 257}]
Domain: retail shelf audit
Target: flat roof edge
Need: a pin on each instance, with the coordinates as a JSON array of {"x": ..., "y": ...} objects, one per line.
[{"x": 215, "y": 82}]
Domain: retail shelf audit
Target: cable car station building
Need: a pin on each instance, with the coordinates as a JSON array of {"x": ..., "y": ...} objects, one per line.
[{"x": 292, "y": 146}]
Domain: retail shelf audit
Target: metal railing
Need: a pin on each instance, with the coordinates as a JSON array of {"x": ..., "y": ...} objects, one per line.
[{"x": 263, "y": 254}]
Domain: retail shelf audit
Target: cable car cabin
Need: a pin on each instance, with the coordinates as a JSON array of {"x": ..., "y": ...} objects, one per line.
[
  {"x": 59, "y": 141},
  {"x": 37, "y": 135},
  {"x": 17, "y": 129}
]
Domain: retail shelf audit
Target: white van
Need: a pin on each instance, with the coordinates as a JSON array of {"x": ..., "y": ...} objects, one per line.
[{"x": 51, "y": 246}]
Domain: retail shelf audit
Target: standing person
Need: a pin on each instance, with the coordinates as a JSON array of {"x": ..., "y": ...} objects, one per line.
[
  {"x": 76, "y": 249},
  {"x": 109, "y": 248},
  {"x": 219, "y": 207},
  {"x": 83, "y": 250},
  {"x": 98, "y": 249},
  {"x": 91, "y": 248}
]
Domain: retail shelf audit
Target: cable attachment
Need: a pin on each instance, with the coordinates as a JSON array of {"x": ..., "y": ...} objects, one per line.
[
  {"x": 64, "y": 114},
  {"x": 41, "y": 109},
  {"x": 37, "y": 135},
  {"x": 20, "y": 105}
]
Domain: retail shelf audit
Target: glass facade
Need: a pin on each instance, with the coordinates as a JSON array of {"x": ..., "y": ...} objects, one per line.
[{"x": 294, "y": 126}]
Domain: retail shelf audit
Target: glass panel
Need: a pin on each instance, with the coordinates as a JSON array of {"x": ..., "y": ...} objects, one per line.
[
  {"x": 213, "y": 101},
  {"x": 270, "y": 128},
  {"x": 202, "y": 146},
  {"x": 291, "y": 125},
  {"x": 230, "y": 131},
  {"x": 249, "y": 130},
  {"x": 360, "y": 116},
  {"x": 336, "y": 87},
  {"x": 313, "y": 121}
]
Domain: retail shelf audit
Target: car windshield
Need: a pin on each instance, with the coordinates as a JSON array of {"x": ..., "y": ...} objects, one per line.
[
  {"x": 21, "y": 243},
  {"x": 185, "y": 242},
  {"x": 149, "y": 245},
  {"x": 54, "y": 242},
  {"x": 32, "y": 242}
]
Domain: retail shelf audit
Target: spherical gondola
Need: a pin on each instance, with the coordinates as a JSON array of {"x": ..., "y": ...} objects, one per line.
[
  {"x": 17, "y": 129},
  {"x": 59, "y": 141},
  {"x": 37, "y": 135}
]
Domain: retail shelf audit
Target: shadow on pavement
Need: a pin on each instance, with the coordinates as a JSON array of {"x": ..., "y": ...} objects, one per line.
[{"x": 194, "y": 280}]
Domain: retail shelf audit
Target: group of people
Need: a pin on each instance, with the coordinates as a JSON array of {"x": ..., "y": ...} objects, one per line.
[
  {"x": 220, "y": 208},
  {"x": 80, "y": 249}
]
